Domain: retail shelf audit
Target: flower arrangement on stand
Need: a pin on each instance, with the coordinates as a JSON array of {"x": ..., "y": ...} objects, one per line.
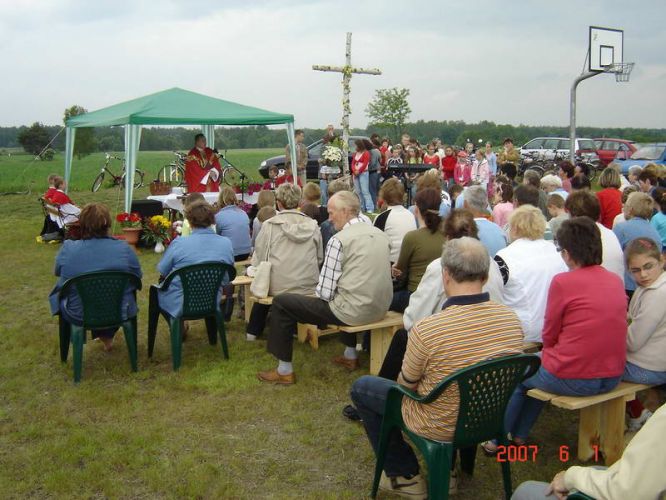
[
  {"x": 130, "y": 223},
  {"x": 157, "y": 231},
  {"x": 331, "y": 158},
  {"x": 246, "y": 187}
]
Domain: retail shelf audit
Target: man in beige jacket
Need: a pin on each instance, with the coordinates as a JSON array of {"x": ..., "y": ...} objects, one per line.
[{"x": 639, "y": 474}]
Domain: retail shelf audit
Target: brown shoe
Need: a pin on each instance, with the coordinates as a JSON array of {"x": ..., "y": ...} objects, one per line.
[
  {"x": 273, "y": 377},
  {"x": 349, "y": 364}
]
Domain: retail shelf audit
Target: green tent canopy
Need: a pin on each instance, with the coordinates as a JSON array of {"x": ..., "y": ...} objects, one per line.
[{"x": 171, "y": 107}]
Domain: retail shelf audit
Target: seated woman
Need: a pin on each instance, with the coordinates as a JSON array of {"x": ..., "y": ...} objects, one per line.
[
  {"x": 231, "y": 221},
  {"x": 203, "y": 245},
  {"x": 291, "y": 242},
  {"x": 528, "y": 266},
  {"x": 95, "y": 251},
  {"x": 191, "y": 198},
  {"x": 419, "y": 247},
  {"x": 584, "y": 332},
  {"x": 396, "y": 221},
  {"x": 646, "y": 338},
  {"x": 266, "y": 199},
  {"x": 69, "y": 212}
]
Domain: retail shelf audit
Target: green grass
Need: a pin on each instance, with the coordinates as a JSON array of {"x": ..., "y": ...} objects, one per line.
[
  {"x": 20, "y": 173},
  {"x": 210, "y": 431}
]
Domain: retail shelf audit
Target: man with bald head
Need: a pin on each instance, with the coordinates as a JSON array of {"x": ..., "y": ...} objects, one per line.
[{"x": 354, "y": 288}]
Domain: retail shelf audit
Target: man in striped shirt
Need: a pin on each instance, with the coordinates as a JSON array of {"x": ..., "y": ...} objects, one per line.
[{"x": 469, "y": 329}]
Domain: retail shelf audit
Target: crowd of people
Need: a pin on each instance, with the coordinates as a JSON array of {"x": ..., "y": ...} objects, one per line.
[{"x": 479, "y": 265}]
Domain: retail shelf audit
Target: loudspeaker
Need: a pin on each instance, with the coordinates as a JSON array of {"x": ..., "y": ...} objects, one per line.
[{"x": 147, "y": 208}]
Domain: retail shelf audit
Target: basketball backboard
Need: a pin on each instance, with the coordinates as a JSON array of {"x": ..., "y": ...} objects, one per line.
[{"x": 606, "y": 47}]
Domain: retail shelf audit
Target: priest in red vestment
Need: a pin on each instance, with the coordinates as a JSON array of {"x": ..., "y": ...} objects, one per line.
[{"x": 202, "y": 168}]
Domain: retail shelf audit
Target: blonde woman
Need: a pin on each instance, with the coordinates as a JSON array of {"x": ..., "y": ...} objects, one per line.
[{"x": 231, "y": 221}]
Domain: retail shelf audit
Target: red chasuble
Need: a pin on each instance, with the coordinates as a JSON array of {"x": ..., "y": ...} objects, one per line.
[{"x": 198, "y": 165}]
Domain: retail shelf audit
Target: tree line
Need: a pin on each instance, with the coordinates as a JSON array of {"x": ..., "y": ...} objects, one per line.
[{"x": 33, "y": 138}]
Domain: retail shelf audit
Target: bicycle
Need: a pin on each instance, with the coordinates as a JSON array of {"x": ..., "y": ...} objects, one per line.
[
  {"x": 118, "y": 180},
  {"x": 174, "y": 172}
]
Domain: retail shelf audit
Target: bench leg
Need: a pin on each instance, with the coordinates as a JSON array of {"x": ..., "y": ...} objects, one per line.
[
  {"x": 588, "y": 431},
  {"x": 308, "y": 333},
  {"x": 380, "y": 340},
  {"x": 612, "y": 430},
  {"x": 249, "y": 302}
]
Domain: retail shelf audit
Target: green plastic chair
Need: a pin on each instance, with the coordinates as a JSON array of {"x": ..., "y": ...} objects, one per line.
[
  {"x": 201, "y": 284},
  {"x": 101, "y": 294},
  {"x": 485, "y": 389}
]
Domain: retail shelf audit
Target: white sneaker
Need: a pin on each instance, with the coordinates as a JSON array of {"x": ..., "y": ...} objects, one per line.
[
  {"x": 414, "y": 487},
  {"x": 635, "y": 424},
  {"x": 250, "y": 338}
]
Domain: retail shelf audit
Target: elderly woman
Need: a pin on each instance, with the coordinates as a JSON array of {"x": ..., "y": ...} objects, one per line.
[
  {"x": 231, "y": 221},
  {"x": 584, "y": 332},
  {"x": 419, "y": 247},
  {"x": 528, "y": 265},
  {"x": 632, "y": 177},
  {"x": 291, "y": 242},
  {"x": 637, "y": 212},
  {"x": 202, "y": 245},
  {"x": 95, "y": 251},
  {"x": 610, "y": 197},
  {"x": 396, "y": 221},
  {"x": 551, "y": 184},
  {"x": 646, "y": 339}
]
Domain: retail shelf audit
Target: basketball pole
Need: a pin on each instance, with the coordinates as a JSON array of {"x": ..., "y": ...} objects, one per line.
[{"x": 572, "y": 113}]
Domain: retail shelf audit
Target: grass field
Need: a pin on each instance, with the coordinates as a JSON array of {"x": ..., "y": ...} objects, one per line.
[
  {"x": 20, "y": 173},
  {"x": 210, "y": 431}
]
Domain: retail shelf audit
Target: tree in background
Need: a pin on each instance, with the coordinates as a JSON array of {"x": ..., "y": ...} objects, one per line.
[
  {"x": 389, "y": 109},
  {"x": 34, "y": 138},
  {"x": 85, "y": 142}
]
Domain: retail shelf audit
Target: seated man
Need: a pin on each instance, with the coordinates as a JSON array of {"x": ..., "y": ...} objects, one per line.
[
  {"x": 476, "y": 330},
  {"x": 345, "y": 295},
  {"x": 202, "y": 168},
  {"x": 202, "y": 245},
  {"x": 638, "y": 474}
]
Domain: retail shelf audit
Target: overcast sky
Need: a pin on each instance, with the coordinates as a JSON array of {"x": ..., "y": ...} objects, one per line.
[{"x": 509, "y": 62}]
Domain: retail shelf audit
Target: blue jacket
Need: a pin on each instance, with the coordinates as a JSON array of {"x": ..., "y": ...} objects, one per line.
[
  {"x": 203, "y": 245},
  {"x": 86, "y": 256},
  {"x": 234, "y": 223}
]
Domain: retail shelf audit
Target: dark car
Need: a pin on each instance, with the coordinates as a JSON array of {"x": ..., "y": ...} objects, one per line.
[
  {"x": 609, "y": 149},
  {"x": 314, "y": 151}
]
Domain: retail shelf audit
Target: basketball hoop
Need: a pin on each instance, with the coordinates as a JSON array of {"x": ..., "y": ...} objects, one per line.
[{"x": 622, "y": 71}]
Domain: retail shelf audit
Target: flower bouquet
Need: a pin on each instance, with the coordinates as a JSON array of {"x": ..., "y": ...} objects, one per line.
[
  {"x": 157, "y": 231},
  {"x": 331, "y": 159},
  {"x": 129, "y": 220}
]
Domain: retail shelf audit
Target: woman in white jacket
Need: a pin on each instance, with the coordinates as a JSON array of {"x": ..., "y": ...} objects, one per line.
[{"x": 528, "y": 265}]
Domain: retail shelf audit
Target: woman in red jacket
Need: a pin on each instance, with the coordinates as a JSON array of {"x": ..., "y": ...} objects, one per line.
[
  {"x": 610, "y": 197},
  {"x": 584, "y": 332},
  {"x": 448, "y": 165},
  {"x": 361, "y": 177}
]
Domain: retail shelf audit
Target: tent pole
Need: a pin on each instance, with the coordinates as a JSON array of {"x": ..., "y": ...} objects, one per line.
[
  {"x": 292, "y": 148},
  {"x": 132, "y": 139},
  {"x": 70, "y": 135},
  {"x": 209, "y": 132}
]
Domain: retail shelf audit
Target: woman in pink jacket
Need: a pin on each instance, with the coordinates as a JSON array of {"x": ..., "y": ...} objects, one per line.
[
  {"x": 462, "y": 174},
  {"x": 481, "y": 170},
  {"x": 361, "y": 177}
]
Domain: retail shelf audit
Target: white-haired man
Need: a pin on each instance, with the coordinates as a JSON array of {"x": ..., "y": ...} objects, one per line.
[{"x": 354, "y": 288}]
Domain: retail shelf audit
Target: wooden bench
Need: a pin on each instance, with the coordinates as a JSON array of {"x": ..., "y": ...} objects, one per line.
[
  {"x": 245, "y": 262},
  {"x": 601, "y": 418},
  {"x": 245, "y": 282}
]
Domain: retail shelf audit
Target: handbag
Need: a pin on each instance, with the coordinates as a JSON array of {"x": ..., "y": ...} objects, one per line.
[{"x": 262, "y": 275}]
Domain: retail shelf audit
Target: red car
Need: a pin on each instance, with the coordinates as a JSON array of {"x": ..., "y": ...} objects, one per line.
[{"x": 609, "y": 149}]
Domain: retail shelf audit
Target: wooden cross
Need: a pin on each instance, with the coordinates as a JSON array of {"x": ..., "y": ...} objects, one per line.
[{"x": 346, "y": 71}]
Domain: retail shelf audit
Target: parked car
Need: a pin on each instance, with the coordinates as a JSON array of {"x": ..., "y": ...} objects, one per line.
[
  {"x": 550, "y": 147},
  {"x": 609, "y": 149},
  {"x": 314, "y": 152},
  {"x": 646, "y": 153}
]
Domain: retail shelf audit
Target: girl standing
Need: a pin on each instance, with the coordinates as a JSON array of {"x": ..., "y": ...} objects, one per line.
[{"x": 361, "y": 177}]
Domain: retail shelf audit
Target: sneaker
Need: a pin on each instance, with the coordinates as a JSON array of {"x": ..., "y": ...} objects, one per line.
[
  {"x": 414, "y": 487},
  {"x": 635, "y": 424},
  {"x": 351, "y": 413}
]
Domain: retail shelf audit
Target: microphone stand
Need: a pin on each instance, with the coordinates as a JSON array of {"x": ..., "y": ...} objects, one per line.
[{"x": 228, "y": 164}]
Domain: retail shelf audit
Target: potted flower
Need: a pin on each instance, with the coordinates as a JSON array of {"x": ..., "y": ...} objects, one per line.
[
  {"x": 331, "y": 160},
  {"x": 157, "y": 231},
  {"x": 130, "y": 223}
]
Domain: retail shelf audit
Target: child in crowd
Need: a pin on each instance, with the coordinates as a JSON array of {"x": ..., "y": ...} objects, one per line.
[
  {"x": 454, "y": 191},
  {"x": 480, "y": 169},
  {"x": 265, "y": 199},
  {"x": 462, "y": 173},
  {"x": 556, "y": 210},
  {"x": 272, "y": 176},
  {"x": 431, "y": 157},
  {"x": 503, "y": 203},
  {"x": 448, "y": 165},
  {"x": 310, "y": 204},
  {"x": 396, "y": 156}
]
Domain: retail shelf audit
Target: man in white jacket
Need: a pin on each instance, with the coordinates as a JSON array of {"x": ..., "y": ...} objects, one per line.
[{"x": 638, "y": 474}]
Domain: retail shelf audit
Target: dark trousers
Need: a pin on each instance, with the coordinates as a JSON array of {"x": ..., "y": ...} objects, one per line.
[
  {"x": 400, "y": 300},
  {"x": 258, "y": 317},
  {"x": 288, "y": 310}
]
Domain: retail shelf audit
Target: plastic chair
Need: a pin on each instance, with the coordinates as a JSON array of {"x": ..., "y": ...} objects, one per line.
[
  {"x": 201, "y": 284},
  {"x": 101, "y": 294},
  {"x": 485, "y": 389}
]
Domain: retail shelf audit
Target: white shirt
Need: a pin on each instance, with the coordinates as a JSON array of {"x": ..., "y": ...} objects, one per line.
[
  {"x": 397, "y": 223},
  {"x": 613, "y": 257}
]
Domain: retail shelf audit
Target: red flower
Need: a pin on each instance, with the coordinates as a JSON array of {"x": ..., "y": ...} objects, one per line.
[
  {"x": 134, "y": 217},
  {"x": 123, "y": 217}
]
